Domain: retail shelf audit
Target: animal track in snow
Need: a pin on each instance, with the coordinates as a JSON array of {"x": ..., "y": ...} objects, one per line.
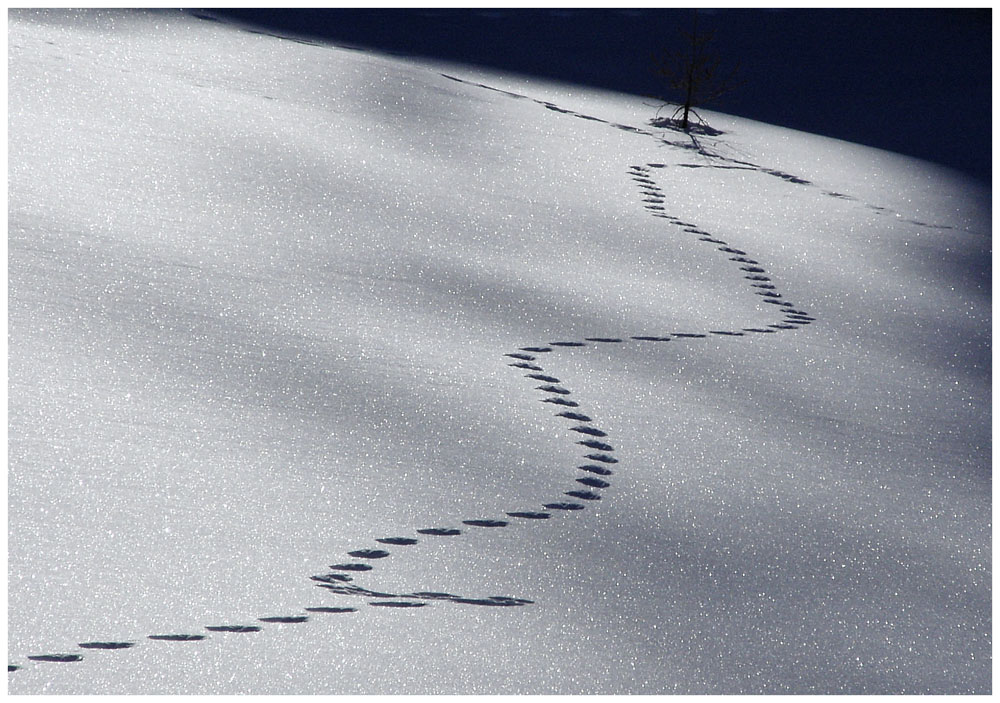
[{"x": 654, "y": 201}]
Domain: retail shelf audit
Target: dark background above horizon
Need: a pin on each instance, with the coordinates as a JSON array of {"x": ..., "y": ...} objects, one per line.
[{"x": 917, "y": 82}]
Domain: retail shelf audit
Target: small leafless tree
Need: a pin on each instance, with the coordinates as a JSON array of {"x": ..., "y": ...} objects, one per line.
[{"x": 694, "y": 73}]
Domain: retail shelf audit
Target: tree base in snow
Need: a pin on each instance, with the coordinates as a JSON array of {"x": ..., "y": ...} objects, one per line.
[{"x": 693, "y": 127}]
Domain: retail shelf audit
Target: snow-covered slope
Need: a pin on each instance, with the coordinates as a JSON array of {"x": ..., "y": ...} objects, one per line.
[{"x": 269, "y": 303}]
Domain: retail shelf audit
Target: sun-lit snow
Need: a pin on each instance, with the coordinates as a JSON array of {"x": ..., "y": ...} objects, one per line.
[{"x": 260, "y": 297}]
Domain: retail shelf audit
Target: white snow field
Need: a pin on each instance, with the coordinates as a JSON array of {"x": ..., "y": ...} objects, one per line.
[{"x": 263, "y": 297}]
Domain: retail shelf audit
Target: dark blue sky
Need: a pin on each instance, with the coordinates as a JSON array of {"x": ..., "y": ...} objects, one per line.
[{"x": 913, "y": 81}]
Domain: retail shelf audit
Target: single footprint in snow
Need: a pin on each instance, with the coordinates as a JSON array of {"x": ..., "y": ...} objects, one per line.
[
  {"x": 594, "y": 444},
  {"x": 595, "y": 469},
  {"x": 331, "y": 578},
  {"x": 602, "y": 458},
  {"x": 584, "y": 495},
  {"x": 356, "y": 591},
  {"x": 564, "y": 506},
  {"x": 233, "y": 628},
  {"x": 440, "y": 531},
  {"x": 493, "y": 600},
  {"x": 562, "y": 401},
  {"x": 593, "y": 482},
  {"x": 579, "y": 417},
  {"x": 177, "y": 638},
  {"x": 530, "y": 515},
  {"x": 397, "y": 604},
  {"x": 592, "y": 431},
  {"x": 106, "y": 645},
  {"x": 368, "y": 554},
  {"x": 327, "y": 609},
  {"x": 397, "y": 540},
  {"x": 58, "y": 658},
  {"x": 485, "y": 523},
  {"x": 351, "y": 567},
  {"x": 553, "y": 389},
  {"x": 287, "y": 619}
]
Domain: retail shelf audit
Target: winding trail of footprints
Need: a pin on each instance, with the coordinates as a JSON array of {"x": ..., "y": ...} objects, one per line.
[{"x": 597, "y": 460}]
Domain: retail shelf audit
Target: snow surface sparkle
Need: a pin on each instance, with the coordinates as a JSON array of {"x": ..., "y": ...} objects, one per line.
[{"x": 260, "y": 298}]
